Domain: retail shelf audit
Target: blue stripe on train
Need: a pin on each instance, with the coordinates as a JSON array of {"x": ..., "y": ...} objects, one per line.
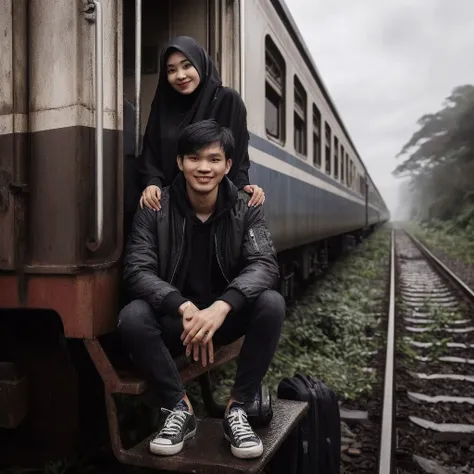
[
  {"x": 271, "y": 149},
  {"x": 299, "y": 213}
]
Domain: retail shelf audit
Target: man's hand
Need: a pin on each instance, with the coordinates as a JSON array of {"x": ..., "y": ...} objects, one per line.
[
  {"x": 205, "y": 350},
  {"x": 187, "y": 309},
  {"x": 205, "y": 323},
  {"x": 200, "y": 329}
]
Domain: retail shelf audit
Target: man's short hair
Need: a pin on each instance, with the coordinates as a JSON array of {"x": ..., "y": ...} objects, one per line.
[{"x": 200, "y": 135}]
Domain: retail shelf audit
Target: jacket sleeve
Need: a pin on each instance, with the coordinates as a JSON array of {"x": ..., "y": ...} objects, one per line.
[
  {"x": 230, "y": 111},
  {"x": 260, "y": 266},
  {"x": 141, "y": 265},
  {"x": 242, "y": 176}
]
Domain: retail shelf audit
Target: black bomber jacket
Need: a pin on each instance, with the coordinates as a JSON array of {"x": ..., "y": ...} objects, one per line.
[{"x": 244, "y": 250}]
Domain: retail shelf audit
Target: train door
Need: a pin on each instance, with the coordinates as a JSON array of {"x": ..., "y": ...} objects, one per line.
[
  {"x": 147, "y": 26},
  {"x": 213, "y": 23}
]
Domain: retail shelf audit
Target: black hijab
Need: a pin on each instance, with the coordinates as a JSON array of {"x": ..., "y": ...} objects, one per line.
[{"x": 171, "y": 112}]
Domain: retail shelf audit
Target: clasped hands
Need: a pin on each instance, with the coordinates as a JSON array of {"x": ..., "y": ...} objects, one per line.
[{"x": 199, "y": 328}]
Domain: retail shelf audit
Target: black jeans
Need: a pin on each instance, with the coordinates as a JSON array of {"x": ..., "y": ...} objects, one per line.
[{"x": 154, "y": 339}]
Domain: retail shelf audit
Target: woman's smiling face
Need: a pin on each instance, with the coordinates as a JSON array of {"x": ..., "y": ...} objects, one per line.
[{"x": 182, "y": 75}]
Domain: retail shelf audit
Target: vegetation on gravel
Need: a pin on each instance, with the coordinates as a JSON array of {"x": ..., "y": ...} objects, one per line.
[
  {"x": 455, "y": 241},
  {"x": 441, "y": 319},
  {"x": 327, "y": 333}
]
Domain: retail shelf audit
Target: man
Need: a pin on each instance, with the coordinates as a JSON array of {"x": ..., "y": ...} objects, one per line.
[{"x": 202, "y": 272}]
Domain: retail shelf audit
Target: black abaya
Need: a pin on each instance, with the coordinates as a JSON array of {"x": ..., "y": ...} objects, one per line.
[{"x": 171, "y": 112}]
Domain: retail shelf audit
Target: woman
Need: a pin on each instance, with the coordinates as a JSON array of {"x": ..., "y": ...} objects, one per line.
[{"x": 189, "y": 90}]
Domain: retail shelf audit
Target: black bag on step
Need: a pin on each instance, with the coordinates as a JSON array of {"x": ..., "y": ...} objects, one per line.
[{"x": 314, "y": 447}]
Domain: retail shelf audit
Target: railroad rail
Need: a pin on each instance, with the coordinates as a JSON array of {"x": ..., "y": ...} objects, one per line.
[{"x": 427, "y": 422}]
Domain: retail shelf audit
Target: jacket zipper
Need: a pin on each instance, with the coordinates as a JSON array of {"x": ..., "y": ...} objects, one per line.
[
  {"x": 218, "y": 261},
  {"x": 179, "y": 255},
  {"x": 254, "y": 240}
]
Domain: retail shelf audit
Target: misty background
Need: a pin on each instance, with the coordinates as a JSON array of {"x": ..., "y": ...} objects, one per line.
[{"x": 386, "y": 64}]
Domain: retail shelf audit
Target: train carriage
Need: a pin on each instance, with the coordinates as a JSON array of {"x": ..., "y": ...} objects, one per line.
[{"x": 66, "y": 67}]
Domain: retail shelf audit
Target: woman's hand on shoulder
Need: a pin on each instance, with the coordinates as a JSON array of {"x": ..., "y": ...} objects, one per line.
[
  {"x": 258, "y": 196},
  {"x": 151, "y": 197}
]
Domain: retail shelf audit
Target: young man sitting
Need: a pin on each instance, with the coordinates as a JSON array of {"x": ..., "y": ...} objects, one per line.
[{"x": 202, "y": 272}]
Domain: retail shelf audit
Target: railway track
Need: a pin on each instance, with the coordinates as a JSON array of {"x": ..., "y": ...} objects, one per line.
[{"x": 427, "y": 423}]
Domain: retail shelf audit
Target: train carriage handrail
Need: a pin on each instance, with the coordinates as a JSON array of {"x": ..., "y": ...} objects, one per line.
[
  {"x": 96, "y": 242},
  {"x": 138, "y": 72}
]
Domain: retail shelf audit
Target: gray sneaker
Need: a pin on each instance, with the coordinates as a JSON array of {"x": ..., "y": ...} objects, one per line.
[
  {"x": 179, "y": 426},
  {"x": 244, "y": 442}
]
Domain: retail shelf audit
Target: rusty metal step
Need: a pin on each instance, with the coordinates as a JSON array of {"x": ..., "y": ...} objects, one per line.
[
  {"x": 132, "y": 384},
  {"x": 13, "y": 396},
  {"x": 209, "y": 453}
]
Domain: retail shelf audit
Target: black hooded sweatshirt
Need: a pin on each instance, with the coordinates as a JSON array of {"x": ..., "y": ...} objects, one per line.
[
  {"x": 171, "y": 112},
  {"x": 200, "y": 278}
]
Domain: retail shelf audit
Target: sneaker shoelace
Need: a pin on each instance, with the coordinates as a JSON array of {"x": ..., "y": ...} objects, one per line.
[
  {"x": 174, "y": 422},
  {"x": 239, "y": 425}
]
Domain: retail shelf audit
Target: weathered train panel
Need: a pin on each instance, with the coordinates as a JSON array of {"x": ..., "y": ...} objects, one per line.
[
  {"x": 87, "y": 303},
  {"x": 47, "y": 167},
  {"x": 62, "y": 114},
  {"x": 13, "y": 127}
]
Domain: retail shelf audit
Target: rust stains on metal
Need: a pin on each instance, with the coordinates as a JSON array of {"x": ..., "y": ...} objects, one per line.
[
  {"x": 114, "y": 383},
  {"x": 87, "y": 304},
  {"x": 206, "y": 454}
]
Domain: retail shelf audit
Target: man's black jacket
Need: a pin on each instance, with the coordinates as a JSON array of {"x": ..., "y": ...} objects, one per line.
[{"x": 243, "y": 246}]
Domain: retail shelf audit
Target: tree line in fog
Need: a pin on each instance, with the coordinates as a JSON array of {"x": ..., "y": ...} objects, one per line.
[{"x": 439, "y": 162}]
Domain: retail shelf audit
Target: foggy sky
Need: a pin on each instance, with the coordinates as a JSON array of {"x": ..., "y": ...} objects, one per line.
[{"x": 385, "y": 64}]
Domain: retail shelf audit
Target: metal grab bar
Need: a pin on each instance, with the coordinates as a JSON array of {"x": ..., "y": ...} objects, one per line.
[
  {"x": 138, "y": 73},
  {"x": 242, "y": 47},
  {"x": 96, "y": 242}
]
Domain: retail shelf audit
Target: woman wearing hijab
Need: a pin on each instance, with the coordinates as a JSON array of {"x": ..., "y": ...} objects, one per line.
[{"x": 190, "y": 90}]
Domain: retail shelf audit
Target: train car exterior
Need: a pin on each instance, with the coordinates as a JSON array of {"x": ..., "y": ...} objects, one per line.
[
  {"x": 301, "y": 151},
  {"x": 65, "y": 68}
]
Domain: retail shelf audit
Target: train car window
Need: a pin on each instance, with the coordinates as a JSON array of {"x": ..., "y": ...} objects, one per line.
[
  {"x": 349, "y": 170},
  {"x": 327, "y": 137},
  {"x": 336, "y": 158},
  {"x": 300, "y": 121},
  {"x": 362, "y": 185},
  {"x": 316, "y": 137},
  {"x": 274, "y": 91},
  {"x": 343, "y": 168}
]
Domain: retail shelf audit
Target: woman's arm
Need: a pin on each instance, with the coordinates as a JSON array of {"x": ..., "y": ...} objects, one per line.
[
  {"x": 229, "y": 111},
  {"x": 149, "y": 164}
]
